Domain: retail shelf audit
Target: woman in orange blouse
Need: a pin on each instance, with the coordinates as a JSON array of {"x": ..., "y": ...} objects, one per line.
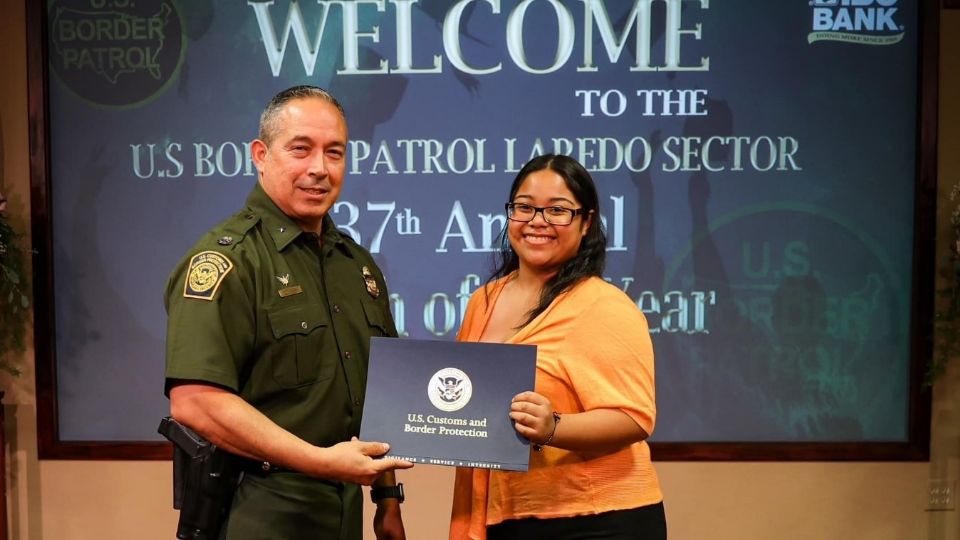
[{"x": 593, "y": 406}]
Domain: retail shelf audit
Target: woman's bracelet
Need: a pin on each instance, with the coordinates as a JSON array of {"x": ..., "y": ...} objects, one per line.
[{"x": 556, "y": 420}]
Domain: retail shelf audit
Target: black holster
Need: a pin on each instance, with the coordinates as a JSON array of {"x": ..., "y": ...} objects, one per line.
[{"x": 204, "y": 480}]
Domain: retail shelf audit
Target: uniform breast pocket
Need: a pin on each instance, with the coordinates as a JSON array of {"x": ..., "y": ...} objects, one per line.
[
  {"x": 378, "y": 319},
  {"x": 298, "y": 357}
]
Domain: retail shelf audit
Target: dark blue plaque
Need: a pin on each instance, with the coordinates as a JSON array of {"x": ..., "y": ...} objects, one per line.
[{"x": 447, "y": 403}]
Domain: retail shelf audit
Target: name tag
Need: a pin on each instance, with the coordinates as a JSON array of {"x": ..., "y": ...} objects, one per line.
[{"x": 290, "y": 291}]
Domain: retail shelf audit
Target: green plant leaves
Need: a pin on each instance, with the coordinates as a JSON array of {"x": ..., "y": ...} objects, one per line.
[{"x": 14, "y": 312}]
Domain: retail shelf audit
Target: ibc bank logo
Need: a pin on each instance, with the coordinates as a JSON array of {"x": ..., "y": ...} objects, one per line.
[{"x": 868, "y": 22}]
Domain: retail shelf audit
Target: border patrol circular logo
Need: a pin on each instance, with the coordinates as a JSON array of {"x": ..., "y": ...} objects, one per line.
[
  {"x": 116, "y": 53},
  {"x": 827, "y": 313},
  {"x": 450, "y": 389}
]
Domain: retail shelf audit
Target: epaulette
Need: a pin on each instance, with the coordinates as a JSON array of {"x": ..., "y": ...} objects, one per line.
[
  {"x": 208, "y": 267},
  {"x": 231, "y": 232},
  {"x": 347, "y": 238},
  {"x": 353, "y": 246}
]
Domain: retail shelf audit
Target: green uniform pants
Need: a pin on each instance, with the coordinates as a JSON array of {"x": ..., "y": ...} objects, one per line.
[{"x": 291, "y": 506}]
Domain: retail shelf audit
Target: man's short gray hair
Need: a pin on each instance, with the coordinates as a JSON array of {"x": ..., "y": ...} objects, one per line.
[{"x": 268, "y": 118}]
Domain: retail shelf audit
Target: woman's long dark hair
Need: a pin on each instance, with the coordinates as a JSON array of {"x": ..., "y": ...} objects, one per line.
[{"x": 589, "y": 259}]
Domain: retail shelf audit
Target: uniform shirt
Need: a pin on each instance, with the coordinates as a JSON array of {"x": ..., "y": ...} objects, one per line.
[
  {"x": 281, "y": 317},
  {"x": 593, "y": 352}
]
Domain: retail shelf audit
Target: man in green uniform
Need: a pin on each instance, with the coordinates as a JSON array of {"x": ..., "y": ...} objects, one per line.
[{"x": 270, "y": 317}]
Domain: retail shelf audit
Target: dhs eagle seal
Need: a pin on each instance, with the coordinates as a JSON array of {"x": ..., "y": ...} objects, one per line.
[{"x": 449, "y": 389}]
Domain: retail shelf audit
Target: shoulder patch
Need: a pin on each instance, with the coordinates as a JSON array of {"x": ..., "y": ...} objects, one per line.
[{"x": 206, "y": 273}]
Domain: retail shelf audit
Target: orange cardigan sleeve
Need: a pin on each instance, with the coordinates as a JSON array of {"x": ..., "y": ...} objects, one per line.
[{"x": 609, "y": 359}]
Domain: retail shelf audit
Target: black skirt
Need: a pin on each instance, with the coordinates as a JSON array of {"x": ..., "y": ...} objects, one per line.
[{"x": 644, "y": 523}]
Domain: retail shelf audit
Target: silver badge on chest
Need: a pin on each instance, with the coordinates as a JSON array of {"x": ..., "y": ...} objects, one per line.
[{"x": 371, "y": 282}]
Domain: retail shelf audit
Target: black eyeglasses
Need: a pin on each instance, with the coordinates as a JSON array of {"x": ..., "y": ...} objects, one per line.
[{"x": 554, "y": 215}]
